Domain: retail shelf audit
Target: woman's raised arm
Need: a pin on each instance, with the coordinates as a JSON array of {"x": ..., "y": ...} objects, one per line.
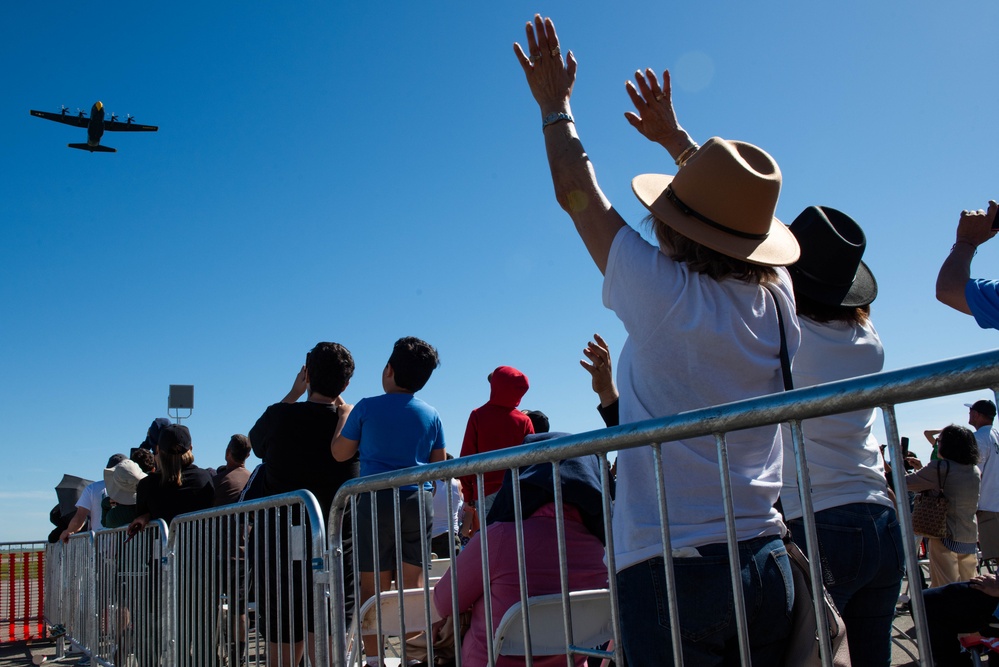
[{"x": 551, "y": 79}]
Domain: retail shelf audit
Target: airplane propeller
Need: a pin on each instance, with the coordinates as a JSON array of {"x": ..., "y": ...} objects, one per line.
[
  {"x": 114, "y": 117},
  {"x": 64, "y": 109},
  {"x": 130, "y": 118},
  {"x": 81, "y": 113}
]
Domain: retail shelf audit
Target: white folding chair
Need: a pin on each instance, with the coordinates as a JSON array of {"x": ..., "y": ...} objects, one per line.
[
  {"x": 415, "y": 617},
  {"x": 591, "y": 624}
]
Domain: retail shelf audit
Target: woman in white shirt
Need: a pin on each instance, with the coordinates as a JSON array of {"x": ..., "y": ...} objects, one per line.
[
  {"x": 700, "y": 308},
  {"x": 859, "y": 537}
]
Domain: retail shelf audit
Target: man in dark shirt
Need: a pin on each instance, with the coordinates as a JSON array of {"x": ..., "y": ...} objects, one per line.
[
  {"x": 232, "y": 477},
  {"x": 293, "y": 440}
]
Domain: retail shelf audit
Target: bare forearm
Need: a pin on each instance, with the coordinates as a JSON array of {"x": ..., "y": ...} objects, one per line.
[
  {"x": 578, "y": 193},
  {"x": 954, "y": 275}
]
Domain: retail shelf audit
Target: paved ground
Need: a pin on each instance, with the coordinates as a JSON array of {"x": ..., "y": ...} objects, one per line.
[{"x": 44, "y": 651}]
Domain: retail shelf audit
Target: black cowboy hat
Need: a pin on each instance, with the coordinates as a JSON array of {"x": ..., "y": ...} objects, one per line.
[{"x": 830, "y": 270}]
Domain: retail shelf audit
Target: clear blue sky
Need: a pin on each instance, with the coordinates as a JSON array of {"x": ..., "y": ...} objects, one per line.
[{"x": 357, "y": 172}]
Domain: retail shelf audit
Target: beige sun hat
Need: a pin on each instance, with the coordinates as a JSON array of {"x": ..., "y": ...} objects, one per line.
[
  {"x": 724, "y": 197},
  {"x": 122, "y": 480}
]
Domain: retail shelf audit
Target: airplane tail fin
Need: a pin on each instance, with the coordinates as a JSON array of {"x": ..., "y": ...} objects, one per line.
[{"x": 98, "y": 148}]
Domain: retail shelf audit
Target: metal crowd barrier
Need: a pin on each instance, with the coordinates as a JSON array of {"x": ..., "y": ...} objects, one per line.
[
  {"x": 22, "y": 590},
  {"x": 883, "y": 390},
  {"x": 129, "y": 603},
  {"x": 250, "y": 584}
]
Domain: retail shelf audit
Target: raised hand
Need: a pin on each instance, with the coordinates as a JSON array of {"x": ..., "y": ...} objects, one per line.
[
  {"x": 655, "y": 118},
  {"x": 549, "y": 76},
  {"x": 599, "y": 368},
  {"x": 975, "y": 227}
]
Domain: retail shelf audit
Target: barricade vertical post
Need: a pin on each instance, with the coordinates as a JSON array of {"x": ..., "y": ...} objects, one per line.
[
  {"x": 735, "y": 567},
  {"x": 908, "y": 543},
  {"x": 811, "y": 542},
  {"x": 674, "y": 613}
]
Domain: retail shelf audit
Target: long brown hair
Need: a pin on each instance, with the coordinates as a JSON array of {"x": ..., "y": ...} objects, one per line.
[
  {"x": 702, "y": 259},
  {"x": 172, "y": 466}
]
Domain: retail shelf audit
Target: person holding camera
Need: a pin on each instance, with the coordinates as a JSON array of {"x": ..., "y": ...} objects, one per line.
[{"x": 955, "y": 287}]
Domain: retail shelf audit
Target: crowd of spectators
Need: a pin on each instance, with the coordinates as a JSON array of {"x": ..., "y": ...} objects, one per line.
[{"x": 728, "y": 303}]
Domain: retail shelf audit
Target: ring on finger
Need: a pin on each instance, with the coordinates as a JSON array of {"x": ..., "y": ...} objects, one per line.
[
  {"x": 556, "y": 52},
  {"x": 660, "y": 96},
  {"x": 535, "y": 58}
]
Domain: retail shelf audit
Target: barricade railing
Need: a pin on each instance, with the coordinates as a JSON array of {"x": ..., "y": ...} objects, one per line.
[
  {"x": 54, "y": 584},
  {"x": 883, "y": 390},
  {"x": 79, "y": 603},
  {"x": 22, "y": 590},
  {"x": 250, "y": 580},
  {"x": 129, "y": 572}
]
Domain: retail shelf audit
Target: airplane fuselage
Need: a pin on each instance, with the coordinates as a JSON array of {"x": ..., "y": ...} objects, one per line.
[{"x": 95, "y": 129}]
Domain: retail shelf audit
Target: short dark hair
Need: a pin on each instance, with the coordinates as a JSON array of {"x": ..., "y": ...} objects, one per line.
[
  {"x": 330, "y": 367},
  {"x": 239, "y": 447},
  {"x": 144, "y": 458},
  {"x": 957, "y": 443},
  {"x": 413, "y": 361},
  {"x": 539, "y": 420},
  {"x": 115, "y": 460},
  {"x": 700, "y": 258}
]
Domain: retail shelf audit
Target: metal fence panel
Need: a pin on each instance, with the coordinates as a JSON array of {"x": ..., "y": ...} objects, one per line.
[
  {"x": 129, "y": 576},
  {"x": 249, "y": 583}
]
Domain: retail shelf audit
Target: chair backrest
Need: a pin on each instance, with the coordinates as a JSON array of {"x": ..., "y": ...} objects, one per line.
[
  {"x": 591, "y": 624},
  {"x": 438, "y": 566},
  {"x": 413, "y": 606}
]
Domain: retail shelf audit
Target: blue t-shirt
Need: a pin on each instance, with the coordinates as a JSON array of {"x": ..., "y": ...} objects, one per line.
[
  {"x": 394, "y": 431},
  {"x": 983, "y": 302}
]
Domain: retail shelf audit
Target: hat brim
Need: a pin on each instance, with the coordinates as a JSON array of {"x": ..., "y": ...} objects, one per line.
[
  {"x": 861, "y": 292},
  {"x": 779, "y": 248}
]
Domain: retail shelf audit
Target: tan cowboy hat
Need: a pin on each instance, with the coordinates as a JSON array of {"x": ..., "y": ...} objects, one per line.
[{"x": 724, "y": 197}]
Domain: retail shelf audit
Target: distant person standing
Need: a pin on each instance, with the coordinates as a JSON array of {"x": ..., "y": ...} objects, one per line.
[
  {"x": 233, "y": 476},
  {"x": 89, "y": 504},
  {"x": 981, "y": 415},
  {"x": 955, "y": 287},
  {"x": 152, "y": 435},
  {"x": 495, "y": 425}
]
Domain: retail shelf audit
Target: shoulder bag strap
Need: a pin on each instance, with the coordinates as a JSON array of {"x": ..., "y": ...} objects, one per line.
[{"x": 785, "y": 361}]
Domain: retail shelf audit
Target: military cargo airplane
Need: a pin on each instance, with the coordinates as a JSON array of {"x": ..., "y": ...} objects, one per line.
[{"x": 96, "y": 125}]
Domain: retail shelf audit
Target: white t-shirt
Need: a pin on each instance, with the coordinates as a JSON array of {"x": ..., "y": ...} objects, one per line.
[
  {"x": 988, "y": 463},
  {"x": 91, "y": 498},
  {"x": 844, "y": 460},
  {"x": 440, "y": 507},
  {"x": 693, "y": 342}
]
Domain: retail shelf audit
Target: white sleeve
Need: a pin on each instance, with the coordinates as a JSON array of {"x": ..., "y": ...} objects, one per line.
[{"x": 641, "y": 283}]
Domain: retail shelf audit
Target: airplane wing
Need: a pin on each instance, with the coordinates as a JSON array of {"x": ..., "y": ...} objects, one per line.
[
  {"x": 118, "y": 126},
  {"x": 67, "y": 119}
]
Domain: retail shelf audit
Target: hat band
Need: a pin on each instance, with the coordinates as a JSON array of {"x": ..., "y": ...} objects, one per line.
[{"x": 708, "y": 221}]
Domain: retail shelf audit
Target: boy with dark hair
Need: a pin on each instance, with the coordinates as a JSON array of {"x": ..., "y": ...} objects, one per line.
[{"x": 393, "y": 431}]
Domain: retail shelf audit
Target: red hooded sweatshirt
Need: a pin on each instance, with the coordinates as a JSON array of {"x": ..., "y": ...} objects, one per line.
[{"x": 496, "y": 425}]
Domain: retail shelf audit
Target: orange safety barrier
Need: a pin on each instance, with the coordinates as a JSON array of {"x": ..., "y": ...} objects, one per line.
[{"x": 22, "y": 593}]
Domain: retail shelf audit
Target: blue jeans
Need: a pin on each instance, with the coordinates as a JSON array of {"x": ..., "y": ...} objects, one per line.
[
  {"x": 707, "y": 606},
  {"x": 862, "y": 563}
]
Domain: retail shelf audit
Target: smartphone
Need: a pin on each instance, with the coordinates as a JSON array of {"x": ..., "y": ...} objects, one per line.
[{"x": 905, "y": 454}]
